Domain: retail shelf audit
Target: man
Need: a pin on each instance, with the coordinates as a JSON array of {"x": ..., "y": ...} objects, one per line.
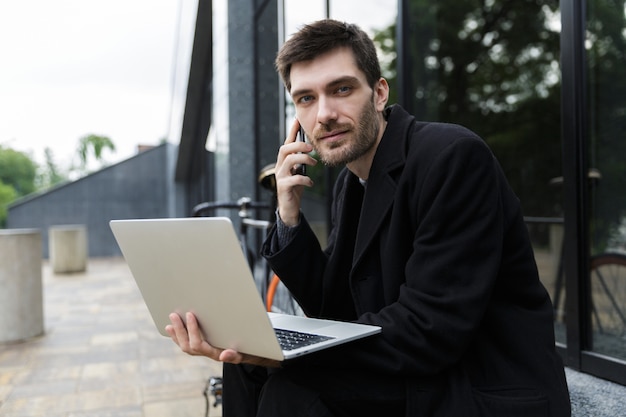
[{"x": 428, "y": 242}]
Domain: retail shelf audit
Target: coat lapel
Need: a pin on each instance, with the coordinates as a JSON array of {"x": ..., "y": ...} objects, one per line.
[{"x": 382, "y": 183}]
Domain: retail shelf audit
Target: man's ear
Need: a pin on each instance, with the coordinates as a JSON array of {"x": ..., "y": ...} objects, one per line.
[{"x": 381, "y": 91}]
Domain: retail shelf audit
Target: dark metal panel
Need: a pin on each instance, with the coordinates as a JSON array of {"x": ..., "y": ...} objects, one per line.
[
  {"x": 604, "y": 367},
  {"x": 574, "y": 166},
  {"x": 403, "y": 57},
  {"x": 197, "y": 118}
]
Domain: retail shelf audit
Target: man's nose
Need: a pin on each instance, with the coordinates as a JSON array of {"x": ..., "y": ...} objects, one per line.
[{"x": 327, "y": 110}]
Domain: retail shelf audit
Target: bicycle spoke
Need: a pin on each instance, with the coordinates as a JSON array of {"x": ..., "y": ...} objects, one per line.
[{"x": 608, "y": 293}]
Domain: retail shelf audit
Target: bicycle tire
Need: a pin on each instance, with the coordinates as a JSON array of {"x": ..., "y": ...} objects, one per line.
[
  {"x": 278, "y": 299},
  {"x": 271, "y": 292},
  {"x": 608, "y": 293}
]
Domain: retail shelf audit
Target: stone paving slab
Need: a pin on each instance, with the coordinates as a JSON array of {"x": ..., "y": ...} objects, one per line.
[{"x": 101, "y": 355}]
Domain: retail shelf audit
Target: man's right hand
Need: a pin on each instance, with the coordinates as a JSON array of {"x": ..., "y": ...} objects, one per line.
[
  {"x": 189, "y": 338},
  {"x": 289, "y": 186}
]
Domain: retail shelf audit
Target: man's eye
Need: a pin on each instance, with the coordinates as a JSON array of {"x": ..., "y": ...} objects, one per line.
[
  {"x": 305, "y": 99},
  {"x": 344, "y": 89}
]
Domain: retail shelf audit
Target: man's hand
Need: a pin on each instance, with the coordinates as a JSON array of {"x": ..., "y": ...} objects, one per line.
[
  {"x": 190, "y": 340},
  {"x": 289, "y": 187}
]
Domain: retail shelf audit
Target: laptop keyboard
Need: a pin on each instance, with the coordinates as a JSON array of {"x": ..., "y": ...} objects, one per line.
[{"x": 290, "y": 340}]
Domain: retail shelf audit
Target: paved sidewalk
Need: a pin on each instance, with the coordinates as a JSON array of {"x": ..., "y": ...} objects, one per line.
[{"x": 100, "y": 355}]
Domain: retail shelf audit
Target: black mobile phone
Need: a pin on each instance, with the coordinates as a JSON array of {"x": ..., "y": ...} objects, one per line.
[{"x": 300, "y": 137}]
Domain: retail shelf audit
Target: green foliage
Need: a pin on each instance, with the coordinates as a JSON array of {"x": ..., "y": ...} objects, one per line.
[
  {"x": 17, "y": 178},
  {"x": 7, "y": 195},
  {"x": 17, "y": 170},
  {"x": 50, "y": 174},
  {"x": 93, "y": 145},
  {"x": 493, "y": 66},
  {"x": 385, "y": 43}
]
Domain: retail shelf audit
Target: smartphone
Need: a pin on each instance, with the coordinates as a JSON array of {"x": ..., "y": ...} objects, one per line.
[{"x": 300, "y": 137}]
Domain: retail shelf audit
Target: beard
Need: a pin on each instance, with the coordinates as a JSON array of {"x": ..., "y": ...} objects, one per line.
[{"x": 343, "y": 152}]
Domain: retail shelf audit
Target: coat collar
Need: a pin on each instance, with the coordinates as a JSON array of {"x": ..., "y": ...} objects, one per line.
[{"x": 382, "y": 182}]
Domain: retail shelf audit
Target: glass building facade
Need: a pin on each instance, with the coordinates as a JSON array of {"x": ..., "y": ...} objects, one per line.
[
  {"x": 494, "y": 66},
  {"x": 543, "y": 82}
]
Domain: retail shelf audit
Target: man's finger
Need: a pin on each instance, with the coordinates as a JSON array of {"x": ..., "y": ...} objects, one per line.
[
  {"x": 193, "y": 330},
  {"x": 179, "y": 332},
  {"x": 291, "y": 137}
]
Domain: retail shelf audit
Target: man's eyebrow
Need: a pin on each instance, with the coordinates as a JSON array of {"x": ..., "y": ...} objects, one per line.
[
  {"x": 301, "y": 92},
  {"x": 347, "y": 79}
]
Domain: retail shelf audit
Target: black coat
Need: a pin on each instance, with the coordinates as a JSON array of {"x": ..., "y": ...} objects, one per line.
[{"x": 442, "y": 261}]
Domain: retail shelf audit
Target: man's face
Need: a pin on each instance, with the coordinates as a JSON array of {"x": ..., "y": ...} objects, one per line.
[{"x": 337, "y": 108}]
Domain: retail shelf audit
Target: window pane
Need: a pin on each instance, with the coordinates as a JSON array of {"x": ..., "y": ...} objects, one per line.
[
  {"x": 493, "y": 66},
  {"x": 606, "y": 46}
]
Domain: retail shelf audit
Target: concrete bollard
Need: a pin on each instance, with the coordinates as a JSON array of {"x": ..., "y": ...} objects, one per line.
[
  {"x": 21, "y": 293},
  {"x": 67, "y": 247}
]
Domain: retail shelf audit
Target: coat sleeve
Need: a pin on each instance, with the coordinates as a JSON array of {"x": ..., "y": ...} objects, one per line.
[
  {"x": 303, "y": 260},
  {"x": 303, "y": 266}
]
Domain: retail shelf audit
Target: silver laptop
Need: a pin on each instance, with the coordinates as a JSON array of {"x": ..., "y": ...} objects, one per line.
[{"x": 196, "y": 264}]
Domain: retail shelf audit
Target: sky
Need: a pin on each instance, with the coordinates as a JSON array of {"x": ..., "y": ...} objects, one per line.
[{"x": 71, "y": 68}]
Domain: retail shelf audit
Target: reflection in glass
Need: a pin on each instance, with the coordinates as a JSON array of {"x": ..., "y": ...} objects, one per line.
[
  {"x": 494, "y": 66},
  {"x": 608, "y": 303},
  {"x": 606, "y": 60}
]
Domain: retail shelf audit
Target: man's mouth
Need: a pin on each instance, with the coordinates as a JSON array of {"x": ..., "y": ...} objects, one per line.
[{"x": 332, "y": 136}]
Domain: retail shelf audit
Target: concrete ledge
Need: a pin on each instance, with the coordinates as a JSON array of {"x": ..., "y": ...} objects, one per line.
[
  {"x": 595, "y": 397},
  {"x": 67, "y": 246},
  {"x": 21, "y": 293}
]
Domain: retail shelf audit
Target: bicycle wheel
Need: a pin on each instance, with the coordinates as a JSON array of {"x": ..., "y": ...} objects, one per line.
[
  {"x": 608, "y": 293},
  {"x": 280, "y": 300}
]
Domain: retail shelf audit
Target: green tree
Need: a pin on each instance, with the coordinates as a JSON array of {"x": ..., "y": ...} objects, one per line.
[
  {"x": 385, "y": 43},
  {"x": 93, "y": 146},
  {"x": 17, "y": 178},
  {"x": 17, "y": 170},
  {"x": 493, "y": 66},
  {"x": 50, "y": 174},
  {"x": 7, "y": 195}
]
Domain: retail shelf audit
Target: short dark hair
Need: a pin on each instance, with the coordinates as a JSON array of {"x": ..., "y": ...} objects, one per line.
[{"x": 325, "y": 35}]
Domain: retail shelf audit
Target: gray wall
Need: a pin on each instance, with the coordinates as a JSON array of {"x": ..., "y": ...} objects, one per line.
[{"x": 140, "y": 187}]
